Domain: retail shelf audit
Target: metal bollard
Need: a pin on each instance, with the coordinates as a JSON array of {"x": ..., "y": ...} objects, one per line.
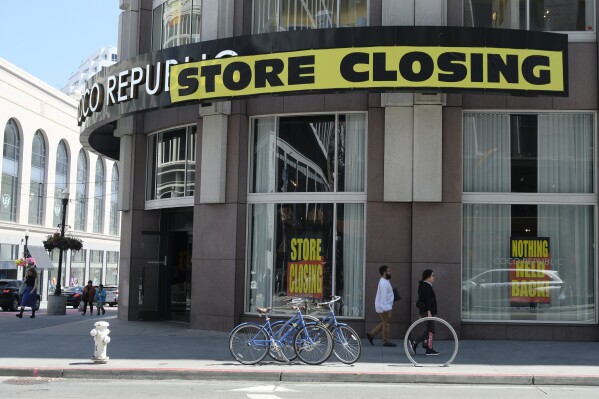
[{"x": 101, "y": 339}]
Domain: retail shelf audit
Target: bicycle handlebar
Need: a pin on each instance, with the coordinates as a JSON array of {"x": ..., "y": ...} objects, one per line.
[{"x": 331, "y": 302}]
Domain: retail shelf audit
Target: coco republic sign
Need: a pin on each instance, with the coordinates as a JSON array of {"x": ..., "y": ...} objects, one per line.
[{"x": 444, "y": 59}]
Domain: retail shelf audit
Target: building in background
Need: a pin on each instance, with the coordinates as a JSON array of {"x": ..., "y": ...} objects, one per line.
[
  {"x": 444, "y": 145},
  {"x": 101, "y": 58},
  {"x": 40, "y": 158}
]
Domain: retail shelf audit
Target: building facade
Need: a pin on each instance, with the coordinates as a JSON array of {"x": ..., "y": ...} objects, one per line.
[
  {"x": 454, "y": 135},
  {"x": 42, "y": 160},
  {"x": 101, "y": 58}
]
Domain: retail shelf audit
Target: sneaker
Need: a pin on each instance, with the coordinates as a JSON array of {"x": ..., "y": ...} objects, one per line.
[
  {"x": 370, "y": 337},
  {"x": 413, "y": 346},
  {"x": 431, "y": 352},
  {"x": 390, "y": 344}
]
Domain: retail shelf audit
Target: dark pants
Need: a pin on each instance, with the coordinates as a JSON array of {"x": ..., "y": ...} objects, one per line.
[
  {"x": 429, "y": 329},
  {"x": 91, "y": 307}
]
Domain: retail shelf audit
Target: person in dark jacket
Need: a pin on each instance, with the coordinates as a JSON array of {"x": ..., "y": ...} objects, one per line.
[
  {"x": 30, "y": 295},
  {"x": 427, "y": 307},
  {"x": 89, "y": 292}
]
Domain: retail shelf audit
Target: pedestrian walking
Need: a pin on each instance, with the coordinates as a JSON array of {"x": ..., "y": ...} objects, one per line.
[
  {"x": 383, "y": 304},
  {"x": 29, "y": 298},
  {"x": 89, "y": 292},
  {"x": 100, "y": 298},
  {"x": 427, "y": 307}
]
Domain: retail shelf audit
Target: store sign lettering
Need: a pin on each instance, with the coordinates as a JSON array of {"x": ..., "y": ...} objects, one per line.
[
  {"x": 305, "y": 268},
  {"x": 397, "y": 67},
  {"x": 126, "y": 86},
  {"x": 376, "y": 59},
  {"x": 529, "y": 281}
]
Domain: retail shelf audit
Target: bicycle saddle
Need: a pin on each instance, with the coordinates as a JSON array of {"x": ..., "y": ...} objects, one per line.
[{"x": 263, "y": 310}]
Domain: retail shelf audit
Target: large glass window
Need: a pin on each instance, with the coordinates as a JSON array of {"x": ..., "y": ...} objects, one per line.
[
  {"x": 308, "y": 154},
  {"x": 286, "y": 15},
  {"x": 112, "y": 268},
  {"x": 96, "y": 260},
  {"x": 61, "y": 179},
  {"x": 303, "y": 239},
  {"x": 38, "y": 173},
  {"x": 529, "y": 217},
  {"x": 114, "y": 201},
  {"x": 81, "y": 192},
  {"x": 77, "y": 268},
  {"x": 10, "y": 172},
  {"x": 538, "y": 15},
  {"x": 99, "y": 197},
  {"x": 176, "y": 23},
  {"x": 171, "y": 170}
]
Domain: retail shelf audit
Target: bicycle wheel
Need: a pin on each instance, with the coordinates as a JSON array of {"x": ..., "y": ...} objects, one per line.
[
  {"x": 313, "y": 344},
  {"x": 284, "y": 333},
  {"x": 248, "y": 343},
  {"x": 347, "y": 345}
]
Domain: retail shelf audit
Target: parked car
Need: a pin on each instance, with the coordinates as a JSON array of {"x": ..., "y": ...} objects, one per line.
[
  {"x": 73, "y": 295},
  {"x": 112, "y": 295},
  {"x": 10, "y": 300},
  {"x": 494, "y": 288}
]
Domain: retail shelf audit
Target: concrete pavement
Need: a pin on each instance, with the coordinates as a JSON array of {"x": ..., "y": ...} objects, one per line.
[{"x": 61, "y": 346}]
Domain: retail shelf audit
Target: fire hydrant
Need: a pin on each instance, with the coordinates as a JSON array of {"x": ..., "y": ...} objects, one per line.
[{"x": 101, "y": 338}]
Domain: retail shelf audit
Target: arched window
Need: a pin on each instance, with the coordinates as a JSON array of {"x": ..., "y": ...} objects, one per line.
[
  {"x": 81, "y": 192},
  {"x": 62, "y": 177},
  {"x": 114, "y": 202},
  {"x": 99, "y": 197},
  {"x": 37, "y": 180},
  {"x": 10, "y": 172}
]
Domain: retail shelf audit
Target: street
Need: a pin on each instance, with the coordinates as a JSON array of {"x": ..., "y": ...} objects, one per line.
[{"x": 30, "y": 387}]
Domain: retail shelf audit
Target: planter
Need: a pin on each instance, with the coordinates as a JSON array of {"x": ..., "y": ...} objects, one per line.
[{"x": 57, "y": 305}]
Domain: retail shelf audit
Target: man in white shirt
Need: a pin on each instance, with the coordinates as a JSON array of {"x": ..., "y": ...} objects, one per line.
[{"x": 383, "y": 303}]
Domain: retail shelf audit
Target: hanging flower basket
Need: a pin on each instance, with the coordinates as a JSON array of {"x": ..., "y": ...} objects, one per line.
[
  {"x": 25, "y": 262},
  {"x": 63, "y": 243}
]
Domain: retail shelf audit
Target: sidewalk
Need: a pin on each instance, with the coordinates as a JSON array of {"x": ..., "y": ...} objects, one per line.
[{"x": 61, "y": 346}]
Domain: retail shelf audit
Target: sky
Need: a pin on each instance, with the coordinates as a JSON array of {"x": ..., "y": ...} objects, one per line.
[{"x": 49, "y": 38}]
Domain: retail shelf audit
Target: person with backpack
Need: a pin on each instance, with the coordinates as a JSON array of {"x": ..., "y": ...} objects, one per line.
[
  {"x": 100, "y": 298},
  {"x": 89, "y": 292}
]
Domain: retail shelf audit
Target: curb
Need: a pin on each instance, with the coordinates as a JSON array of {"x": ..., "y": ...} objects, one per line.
[{"x": 294, "y": 376}]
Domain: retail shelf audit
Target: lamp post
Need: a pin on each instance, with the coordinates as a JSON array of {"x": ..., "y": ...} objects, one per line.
[
  {"x": 65, "y": 201},
  {"x": 25, "y": 250}
]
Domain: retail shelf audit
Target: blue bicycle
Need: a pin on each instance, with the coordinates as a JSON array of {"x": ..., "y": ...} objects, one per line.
[
  {"x": 347, "y": 345},
  {"x": 250, "y": 342}
]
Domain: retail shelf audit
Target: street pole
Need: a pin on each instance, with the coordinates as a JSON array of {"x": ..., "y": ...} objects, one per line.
[
  {"x": 65, "y": 201},
  {"x": 25, "y": 251}
]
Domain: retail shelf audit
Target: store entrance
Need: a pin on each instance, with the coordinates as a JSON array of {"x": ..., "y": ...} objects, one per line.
[{"x": 179, "y": 276}]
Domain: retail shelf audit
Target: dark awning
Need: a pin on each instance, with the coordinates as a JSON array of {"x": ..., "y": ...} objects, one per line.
[{"x": 42, "y": 259}]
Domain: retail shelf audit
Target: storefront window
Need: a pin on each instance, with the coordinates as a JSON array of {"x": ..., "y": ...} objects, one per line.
[
  {"x": 38, "y": 173},
  {"x": 529, "y": 217},
  {"x": 10, "y": 172},
  {"x": 288, "y": 15},
  {"x": 315, "y": 154},
  {"x": 176, "y": 23},
  {"x": 172, "y": 164},
  {"x": 53, "y": 273},
  {"x": 96, "y": 260},
  {"x": 62, "y": 170},
  {"x": 81, "y": 193},
  {"x": 112, "y": 268},
  {"x": 99, "y": 197},
  {"x": 77, "y": 276},
  {"x": 114, "y": 202},
  {"x": 301, "y": 245},
  {"x": 546, "y": 15}
]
